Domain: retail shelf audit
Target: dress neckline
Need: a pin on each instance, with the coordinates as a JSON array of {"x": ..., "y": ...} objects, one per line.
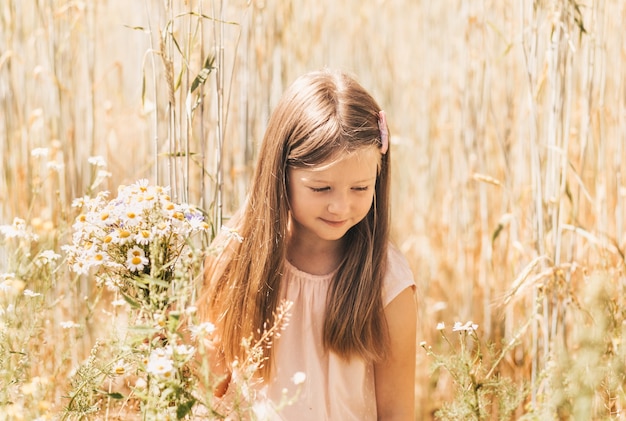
[{"x": 305, "y": 275}]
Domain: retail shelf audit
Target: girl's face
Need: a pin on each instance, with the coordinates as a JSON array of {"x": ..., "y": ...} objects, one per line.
[{"x": 327, "y": 200}]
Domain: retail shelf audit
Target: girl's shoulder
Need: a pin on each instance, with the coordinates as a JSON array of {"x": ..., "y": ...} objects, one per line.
[{"x": 399, "y": 275}]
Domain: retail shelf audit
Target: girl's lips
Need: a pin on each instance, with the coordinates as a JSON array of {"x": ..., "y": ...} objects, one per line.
[{"x": 334, "y": 223}]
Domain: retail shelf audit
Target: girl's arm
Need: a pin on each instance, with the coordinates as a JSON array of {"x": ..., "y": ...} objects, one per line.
[{"x": 395, "y": 376}]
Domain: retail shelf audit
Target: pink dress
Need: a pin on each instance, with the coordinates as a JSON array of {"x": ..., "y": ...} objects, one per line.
[{"x": 334, "y": 389}]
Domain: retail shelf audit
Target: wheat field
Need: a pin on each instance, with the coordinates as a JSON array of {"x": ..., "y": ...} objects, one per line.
[{"x": 508, "y": 124}]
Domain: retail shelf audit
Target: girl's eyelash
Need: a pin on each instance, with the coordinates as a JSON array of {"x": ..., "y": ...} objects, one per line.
[{"x": 323, "y": 189}]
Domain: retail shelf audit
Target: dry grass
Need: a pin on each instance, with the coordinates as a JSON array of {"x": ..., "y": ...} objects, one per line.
[{"x": 508, "y": 124}]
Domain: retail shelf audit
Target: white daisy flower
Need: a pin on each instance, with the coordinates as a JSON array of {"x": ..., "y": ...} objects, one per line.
[
  {"x": 40, "y": 152},
  {"x": 160, "y": 365},
  {"x": 143, "y": 237},
  {"x": 79, "y": 202},
  {"x": 121, "y": 236},
  {"x": 80, "y": 222},
  {"x": 105, "y": 217},
  {"x": 201, "y": 330},
  {"x": 232, "y": 233},
  {"x": 131, "y": 217},
  {"x": 17, "y": 229},
  {"x": 97, "y": 258},
  {"x": 184, "y": 350},
  {"x": 55, "y": 166},
  {"x": 120, "y": 368},
  {"x": 97, "y": 161},
  {"x": 160, "y": 319},
  {"x": 161, "y": 228},
  {"x": 136, "y": 259},
  {"x": 141, "y": 383},
  {"x": 45, "y": 258},
  {"x": 81, "y": 267},
  {"x": 142, "y": 183},
  {"x": 298, "y": 378},
  {"x": 468, "y": 327},
  {"x": 119, "y": 302},
  {"x": 169, "y": 208},
  {"x": 29, "y": 293}
]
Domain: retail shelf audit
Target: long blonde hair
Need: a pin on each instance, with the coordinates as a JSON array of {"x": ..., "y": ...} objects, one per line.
[{"x": 321, "y": 116}]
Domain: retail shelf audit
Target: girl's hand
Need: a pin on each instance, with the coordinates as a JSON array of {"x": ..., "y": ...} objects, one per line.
[
  {"x": 214, "y": 358},
  {"x": 221, "y": 387}
]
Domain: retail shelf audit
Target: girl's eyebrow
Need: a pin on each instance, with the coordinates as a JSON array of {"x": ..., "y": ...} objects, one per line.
[{"x": 319, "y": 180}]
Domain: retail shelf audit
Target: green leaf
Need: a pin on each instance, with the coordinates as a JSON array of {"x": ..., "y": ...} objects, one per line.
[
  {"x": 155, "y": 281},
  {"x": 140, "y": 281},
  {"x": 496, "y": 233},
  {"x": 138, "y": 28},
  {"x": 130, "y": 301},
  {"x": 184, "y": 408},
  {"x": 203, "y": 74},
  {"x": 143, "y": 329},
  {"x": 112, "y": 395},
  {"x": 177, "y": 154}
]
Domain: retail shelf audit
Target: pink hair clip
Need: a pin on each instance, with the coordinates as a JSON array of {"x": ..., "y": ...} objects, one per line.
[{"x": 384, "y": 132}]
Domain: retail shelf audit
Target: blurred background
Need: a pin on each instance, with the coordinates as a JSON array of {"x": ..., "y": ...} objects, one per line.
[{"x": 508, "y": 126}]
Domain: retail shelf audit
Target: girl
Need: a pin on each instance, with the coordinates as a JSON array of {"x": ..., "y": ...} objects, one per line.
[{"x": 315, "y": 231}]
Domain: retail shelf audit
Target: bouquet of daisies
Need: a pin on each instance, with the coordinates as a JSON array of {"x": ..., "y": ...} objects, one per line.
[
  {"x": 140, "y": 244},
  {"x": 134, "y": 243}
]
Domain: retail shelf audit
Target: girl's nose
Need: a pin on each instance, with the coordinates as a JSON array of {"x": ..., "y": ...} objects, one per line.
[{"x": 339, "y": 204}]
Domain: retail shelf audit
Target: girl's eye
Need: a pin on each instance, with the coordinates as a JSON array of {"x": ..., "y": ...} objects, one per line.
[
  {"x": 363, "y": 188},
  {"x": 319, "y": 189}
]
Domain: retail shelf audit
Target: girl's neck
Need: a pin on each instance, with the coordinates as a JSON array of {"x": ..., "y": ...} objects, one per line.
[{"x": 315, "y": 258}]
